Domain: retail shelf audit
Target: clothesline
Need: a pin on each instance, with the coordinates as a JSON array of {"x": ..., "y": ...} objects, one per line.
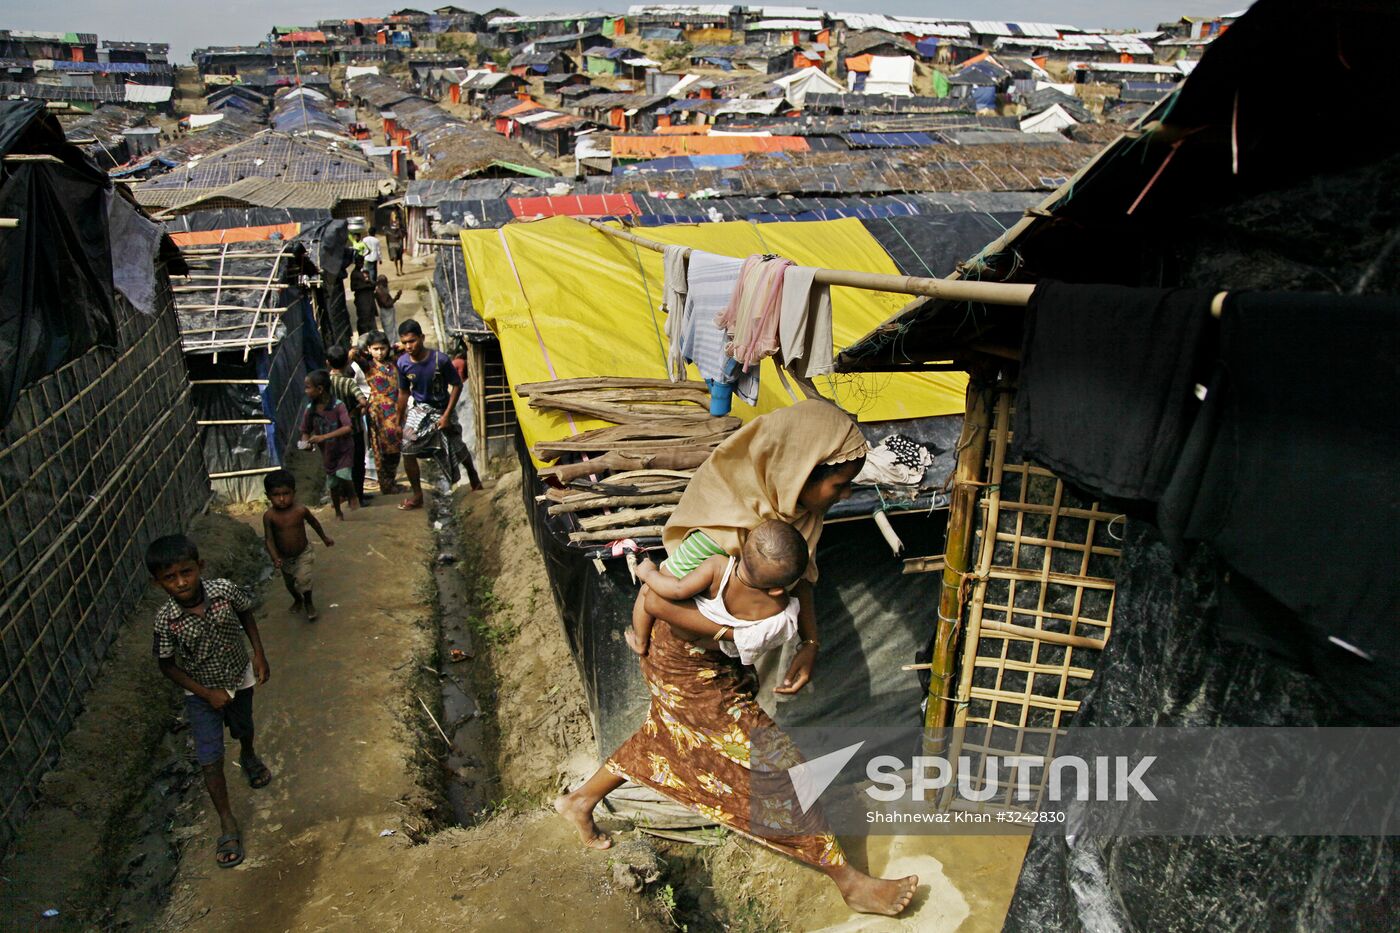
[{"x": 991, "y": 293}]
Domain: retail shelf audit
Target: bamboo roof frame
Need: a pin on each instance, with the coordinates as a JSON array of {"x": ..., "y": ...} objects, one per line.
[{"x": 264, "y": 315}]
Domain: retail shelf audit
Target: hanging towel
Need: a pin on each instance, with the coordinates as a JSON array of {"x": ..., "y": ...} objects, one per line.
[
  {"x": 674, "y": 305},
  {"x": 751, "y": 317},
  {"x": 1285, "y": 476},
  {"x": 1106, "y": 391},
  {"x": 804, "y": 324},
  {"x": 709, "y": 283}
]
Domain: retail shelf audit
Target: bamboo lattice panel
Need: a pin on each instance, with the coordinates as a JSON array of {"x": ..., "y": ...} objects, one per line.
[
  {"x": 1040, "y": 605},
  {"x": 500, "y": 410},
  {"x": 100, "y": 457}
]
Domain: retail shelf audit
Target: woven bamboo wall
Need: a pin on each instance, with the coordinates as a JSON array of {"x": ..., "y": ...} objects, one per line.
[
  {"x": 1039, "y": 609},
  {"x": 100, "y": 458}
]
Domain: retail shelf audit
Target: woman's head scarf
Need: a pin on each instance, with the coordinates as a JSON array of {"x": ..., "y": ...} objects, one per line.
[{"x": 758, "y": 473}]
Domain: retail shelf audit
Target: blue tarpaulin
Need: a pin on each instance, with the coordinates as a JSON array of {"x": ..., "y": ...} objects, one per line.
[
  {"x": 928, "y": 48},
  {"x": 889, "y": 140},
  {"x": 985, "y": 96}
]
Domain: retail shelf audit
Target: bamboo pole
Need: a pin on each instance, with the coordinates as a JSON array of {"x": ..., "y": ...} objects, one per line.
[
  {"x": 249, "y": 286},
  {"x": 1054, "y": 638},
  {"x": 612, "y": 534},
  {"x": 625, "y": 517},
  {"x": 972, "y": 455},
  {"x": 233, "y": 473},
  {"x": 1002, "y": 426},
  {"x": 992, "y": 293},
  {"x": 228, "y": 382},
  {"x": 586, "y": 503},
  {"x": 9, "y": 223}
]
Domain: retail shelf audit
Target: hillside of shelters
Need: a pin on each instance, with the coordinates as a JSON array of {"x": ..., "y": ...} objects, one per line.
[{"x": 549, "y": 175}]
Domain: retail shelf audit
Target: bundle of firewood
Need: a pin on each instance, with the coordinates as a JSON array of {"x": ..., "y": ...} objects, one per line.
[{"x": 630, "y": 475}]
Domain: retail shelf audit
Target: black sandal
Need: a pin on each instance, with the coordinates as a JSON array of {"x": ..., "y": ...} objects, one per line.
[
  {"x": 230, "y": 844},
  {"x": 257, "y": 773}
]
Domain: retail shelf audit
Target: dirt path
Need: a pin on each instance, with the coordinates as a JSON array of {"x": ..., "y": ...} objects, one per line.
[{"x": 339, "y": 730}]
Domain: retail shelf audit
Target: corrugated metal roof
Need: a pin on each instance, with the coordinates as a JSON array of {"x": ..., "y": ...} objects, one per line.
[
  {"x": 889, "y": 140},
  {"x": 262, "y": 192},
  {"x": 588, "y": 205}
]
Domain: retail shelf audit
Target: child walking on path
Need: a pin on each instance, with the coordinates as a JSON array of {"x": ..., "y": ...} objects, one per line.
[
  {"x": 385, "y": 437},
  {"x": 284, "y": 533},
  {"x": 199, "y": 645},
  {"x": 326, "y": 424},
  {"x": 347, "y": 389}
]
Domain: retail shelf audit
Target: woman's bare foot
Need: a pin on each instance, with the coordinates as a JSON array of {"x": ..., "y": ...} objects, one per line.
[
  {"x": 631, "y": 638},
  {"x": 867, "y": 895},
  {"x": 578, "y": 812}
]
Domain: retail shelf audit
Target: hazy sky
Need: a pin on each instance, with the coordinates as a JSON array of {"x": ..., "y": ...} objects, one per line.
[{"x": 186, "y": 24}]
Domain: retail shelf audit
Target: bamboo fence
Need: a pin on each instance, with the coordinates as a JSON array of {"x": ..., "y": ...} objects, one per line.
[{"x": 99, "y": 458}]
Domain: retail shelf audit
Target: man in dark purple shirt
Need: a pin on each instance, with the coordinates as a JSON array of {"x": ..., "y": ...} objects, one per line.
[{"x": 428, "y": 377}]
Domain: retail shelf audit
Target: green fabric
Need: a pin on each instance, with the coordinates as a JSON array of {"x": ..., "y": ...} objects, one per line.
[
  {"x": 522, "y": 169},
  {"x": 694, "y": 551},
  {"x": 940, "y": 84}
]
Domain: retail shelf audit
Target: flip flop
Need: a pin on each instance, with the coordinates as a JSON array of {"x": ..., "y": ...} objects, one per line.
[
  {"x": 257, "y": 773},
  {"x": 231, "y": 843},
  {"x": 408, "y": 505}
]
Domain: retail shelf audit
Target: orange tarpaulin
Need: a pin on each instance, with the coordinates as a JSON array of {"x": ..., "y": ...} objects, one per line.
[
  {"x": 522, "y": 107},
  {"x": 234, "y": 235},
  {"x": 655, "y": 147},
  {"x": 859, "y": 63}
]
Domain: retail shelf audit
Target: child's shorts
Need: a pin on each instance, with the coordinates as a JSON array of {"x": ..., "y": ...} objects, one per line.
[
  {"x": 297, "y": 570},
  {"x": 207, "y": 724}
]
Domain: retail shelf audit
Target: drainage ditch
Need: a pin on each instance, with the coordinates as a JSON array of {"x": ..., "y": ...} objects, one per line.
[{"x": 466, "y": 770}]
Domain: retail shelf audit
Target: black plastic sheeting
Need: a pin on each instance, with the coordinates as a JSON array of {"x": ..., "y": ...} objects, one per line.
[
  {"x": 1166, "y": 665},
  {"x": 328, "y": 243},
  {"x": 476, "y": 213},
  {"x": 232, "y": 217},
  {"x": 873, "y": 619},
  {"x": 56, "y": 268},
  {"x": 450, "y": 280},
  {"x": 933, "y": 245}
]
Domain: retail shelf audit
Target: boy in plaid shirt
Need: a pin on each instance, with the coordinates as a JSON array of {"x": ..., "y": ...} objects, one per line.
[{"x": 199, "y": 645}]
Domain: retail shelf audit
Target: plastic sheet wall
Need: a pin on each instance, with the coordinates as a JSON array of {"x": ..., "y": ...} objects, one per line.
[
  {"x": 100, "y": 458},
  {"x": 873, "y": 618},
  {"x": 1166, "y": 665}
]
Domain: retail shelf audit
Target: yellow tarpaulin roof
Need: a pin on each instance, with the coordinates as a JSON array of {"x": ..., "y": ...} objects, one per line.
[{"x": 568, "y": 301}]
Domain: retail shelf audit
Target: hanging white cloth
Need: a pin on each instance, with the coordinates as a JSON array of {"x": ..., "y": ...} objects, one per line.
[
  {"x": 804, "y": 324},
  {"x": 673, "y": 291}
]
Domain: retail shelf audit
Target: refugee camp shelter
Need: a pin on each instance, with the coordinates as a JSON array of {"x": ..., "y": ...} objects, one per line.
[
  {"x": 1203, "y": 625},
  {"x": 589, "y": 309},
  {"x": 265, "y": 296},
  {"x": 98, "y": 451}
]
